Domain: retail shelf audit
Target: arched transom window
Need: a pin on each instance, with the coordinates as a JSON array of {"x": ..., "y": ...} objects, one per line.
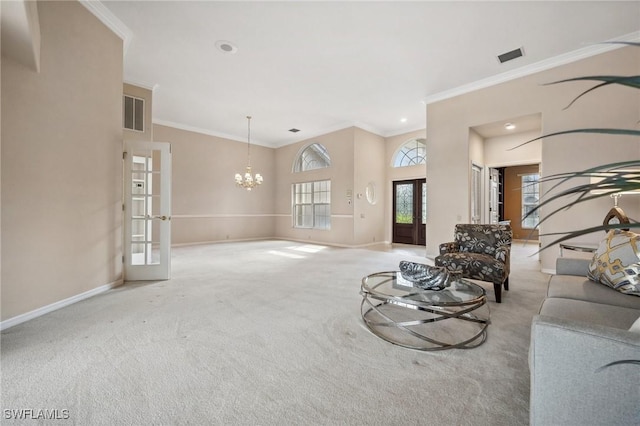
[
  {"x": 411, "y": 153},
  {"x": 315, "y": 156}
]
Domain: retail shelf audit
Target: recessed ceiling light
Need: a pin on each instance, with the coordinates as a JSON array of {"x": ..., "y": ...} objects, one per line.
[
  {"x": 226, "y": 46},
  {"x": 403, "y": 120},
  {"x": 509, "y": 126}
]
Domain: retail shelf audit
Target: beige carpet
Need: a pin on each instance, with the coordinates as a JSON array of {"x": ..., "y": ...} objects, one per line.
[{"x": 267, "y": 333}]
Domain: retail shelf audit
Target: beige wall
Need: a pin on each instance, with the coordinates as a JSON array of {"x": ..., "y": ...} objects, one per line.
[
  {"x": 147, "y": 95},
  {"x": 206, "y": 203},
  {"x": 450, "y": 120},
  {"x": 476, "y": 148},
  {"x": 498, "y": 150},
  {"x": 368, "y": 169},
  {"x": 62, "y": 163},
  {"x": 208, "y": 207},
  {"x": 340, "y": 146}
]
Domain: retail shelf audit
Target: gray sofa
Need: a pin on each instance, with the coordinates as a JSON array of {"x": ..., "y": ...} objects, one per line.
[{"x": 582, "y": 327}]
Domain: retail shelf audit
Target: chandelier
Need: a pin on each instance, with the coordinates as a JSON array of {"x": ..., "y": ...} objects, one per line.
[{"x": 248, "y": 181}]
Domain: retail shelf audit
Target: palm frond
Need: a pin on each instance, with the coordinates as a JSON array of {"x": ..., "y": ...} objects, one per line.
[
  {"x": 574, "y": 234},
  {"x": 612, "y": 179},
  {"x": 605, "y": 131},
  {"x": 611, "y": 174},
  {"x": 627, "y": 43},
  {"x": 631, "y": 81}
]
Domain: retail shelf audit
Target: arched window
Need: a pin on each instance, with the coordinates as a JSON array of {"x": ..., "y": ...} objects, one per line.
[
  {"x": 314, "y": 156},
  {"x": 411, "y": 153}
]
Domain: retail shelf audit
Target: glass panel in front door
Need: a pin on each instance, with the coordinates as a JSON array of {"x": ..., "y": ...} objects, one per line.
[{"x": 404, "y": 203}]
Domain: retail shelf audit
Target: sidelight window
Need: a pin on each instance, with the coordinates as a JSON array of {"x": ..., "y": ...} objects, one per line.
[{"x": 530, "y": 200}]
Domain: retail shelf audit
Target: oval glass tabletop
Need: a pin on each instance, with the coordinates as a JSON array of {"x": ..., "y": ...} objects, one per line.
[
  {"x": 392, "y": 285},
  {"x": 394, "y": 309}
]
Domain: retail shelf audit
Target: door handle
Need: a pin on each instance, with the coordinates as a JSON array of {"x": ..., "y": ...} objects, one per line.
[{"x": 163, "y": 217}]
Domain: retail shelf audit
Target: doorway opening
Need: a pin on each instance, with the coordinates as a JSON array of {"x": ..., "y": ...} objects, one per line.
[{"x": 522, "y": 194}]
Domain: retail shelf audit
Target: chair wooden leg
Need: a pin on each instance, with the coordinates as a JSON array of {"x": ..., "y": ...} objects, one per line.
[
  {"x": 506, "y": 284},
  {"x": 497, "y": 289}
]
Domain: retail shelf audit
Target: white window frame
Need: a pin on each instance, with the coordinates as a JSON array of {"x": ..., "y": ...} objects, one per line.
[
  {"x": 526, "y": 191},
  {"x": 312, "y": 157},
  {"x": 476, "y": 193},
  {"x": 318, "y": 199},
  {"x": 410, "y": 154}
]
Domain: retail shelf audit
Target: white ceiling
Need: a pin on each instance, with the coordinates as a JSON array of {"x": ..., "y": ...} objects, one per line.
[{"x": 321, "y": 66}]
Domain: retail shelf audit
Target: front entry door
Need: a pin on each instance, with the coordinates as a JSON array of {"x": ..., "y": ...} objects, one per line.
[
  {"x": 147, "y": 211},
  {"x": 410, "y": 211}
]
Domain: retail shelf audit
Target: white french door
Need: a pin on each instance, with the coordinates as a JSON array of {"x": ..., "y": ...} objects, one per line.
[
  {"x": 494, "y": 196},
  {"x": 147, "y": 211}
]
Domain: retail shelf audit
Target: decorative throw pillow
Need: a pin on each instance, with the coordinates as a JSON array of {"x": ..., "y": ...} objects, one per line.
[{"x": 616, "y": 262}]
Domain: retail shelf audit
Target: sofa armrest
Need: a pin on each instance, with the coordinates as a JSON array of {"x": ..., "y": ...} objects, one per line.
[
  {"x": 450, "y": 247},
  {"x": 569, "y": 266},
  {"x": 570, "y": 384}
]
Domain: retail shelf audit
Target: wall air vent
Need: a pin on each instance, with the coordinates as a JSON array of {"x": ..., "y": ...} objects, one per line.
[
  {"x": 509, "y": 56},
  {"x": 133, "y": 113}
]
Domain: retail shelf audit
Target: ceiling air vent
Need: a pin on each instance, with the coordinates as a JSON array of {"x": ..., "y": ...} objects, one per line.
[
  {"x": 294, "y": 130},
  {"x": 509, "y": 56}
]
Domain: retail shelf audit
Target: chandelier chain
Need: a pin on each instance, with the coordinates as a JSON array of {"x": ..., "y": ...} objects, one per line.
[
  {"x": 248, "y": 180},
  {"x": 249, "y": 139}
]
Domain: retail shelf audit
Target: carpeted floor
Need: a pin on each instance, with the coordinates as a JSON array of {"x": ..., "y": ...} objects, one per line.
[{"x": 265, "y": 332}]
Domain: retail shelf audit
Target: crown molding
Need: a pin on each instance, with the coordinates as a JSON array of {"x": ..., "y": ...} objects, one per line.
[
  {"x": 327, "y": 130},
  {"x": 368, "y": 128},
  {"x": 142, "y": 84},
  {"x": 322, "y": 132},
  {"x": 567, "y": 58},
  {"x": 207, "y": 132},
  {"x": 111, "y": 21},
  {"x": 407, "y": 131}
]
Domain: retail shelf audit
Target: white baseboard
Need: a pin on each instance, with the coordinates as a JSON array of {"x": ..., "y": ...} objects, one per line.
[
  {"x": 549, "y": 271},
  {"x": 57, "y": 305},
  {"x": 241, "y": 240}
]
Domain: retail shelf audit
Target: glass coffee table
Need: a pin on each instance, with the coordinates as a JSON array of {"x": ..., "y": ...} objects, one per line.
[{"x": 428, "y": 320}]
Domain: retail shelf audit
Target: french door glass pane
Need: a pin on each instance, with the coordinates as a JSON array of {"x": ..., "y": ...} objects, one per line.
[
  {"x": 145, "y": 208},
  {"x": 404, "y": 203}
]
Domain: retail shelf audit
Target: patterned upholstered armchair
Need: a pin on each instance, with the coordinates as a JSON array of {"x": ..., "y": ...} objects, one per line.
[{"x": 480, "y": 252}]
